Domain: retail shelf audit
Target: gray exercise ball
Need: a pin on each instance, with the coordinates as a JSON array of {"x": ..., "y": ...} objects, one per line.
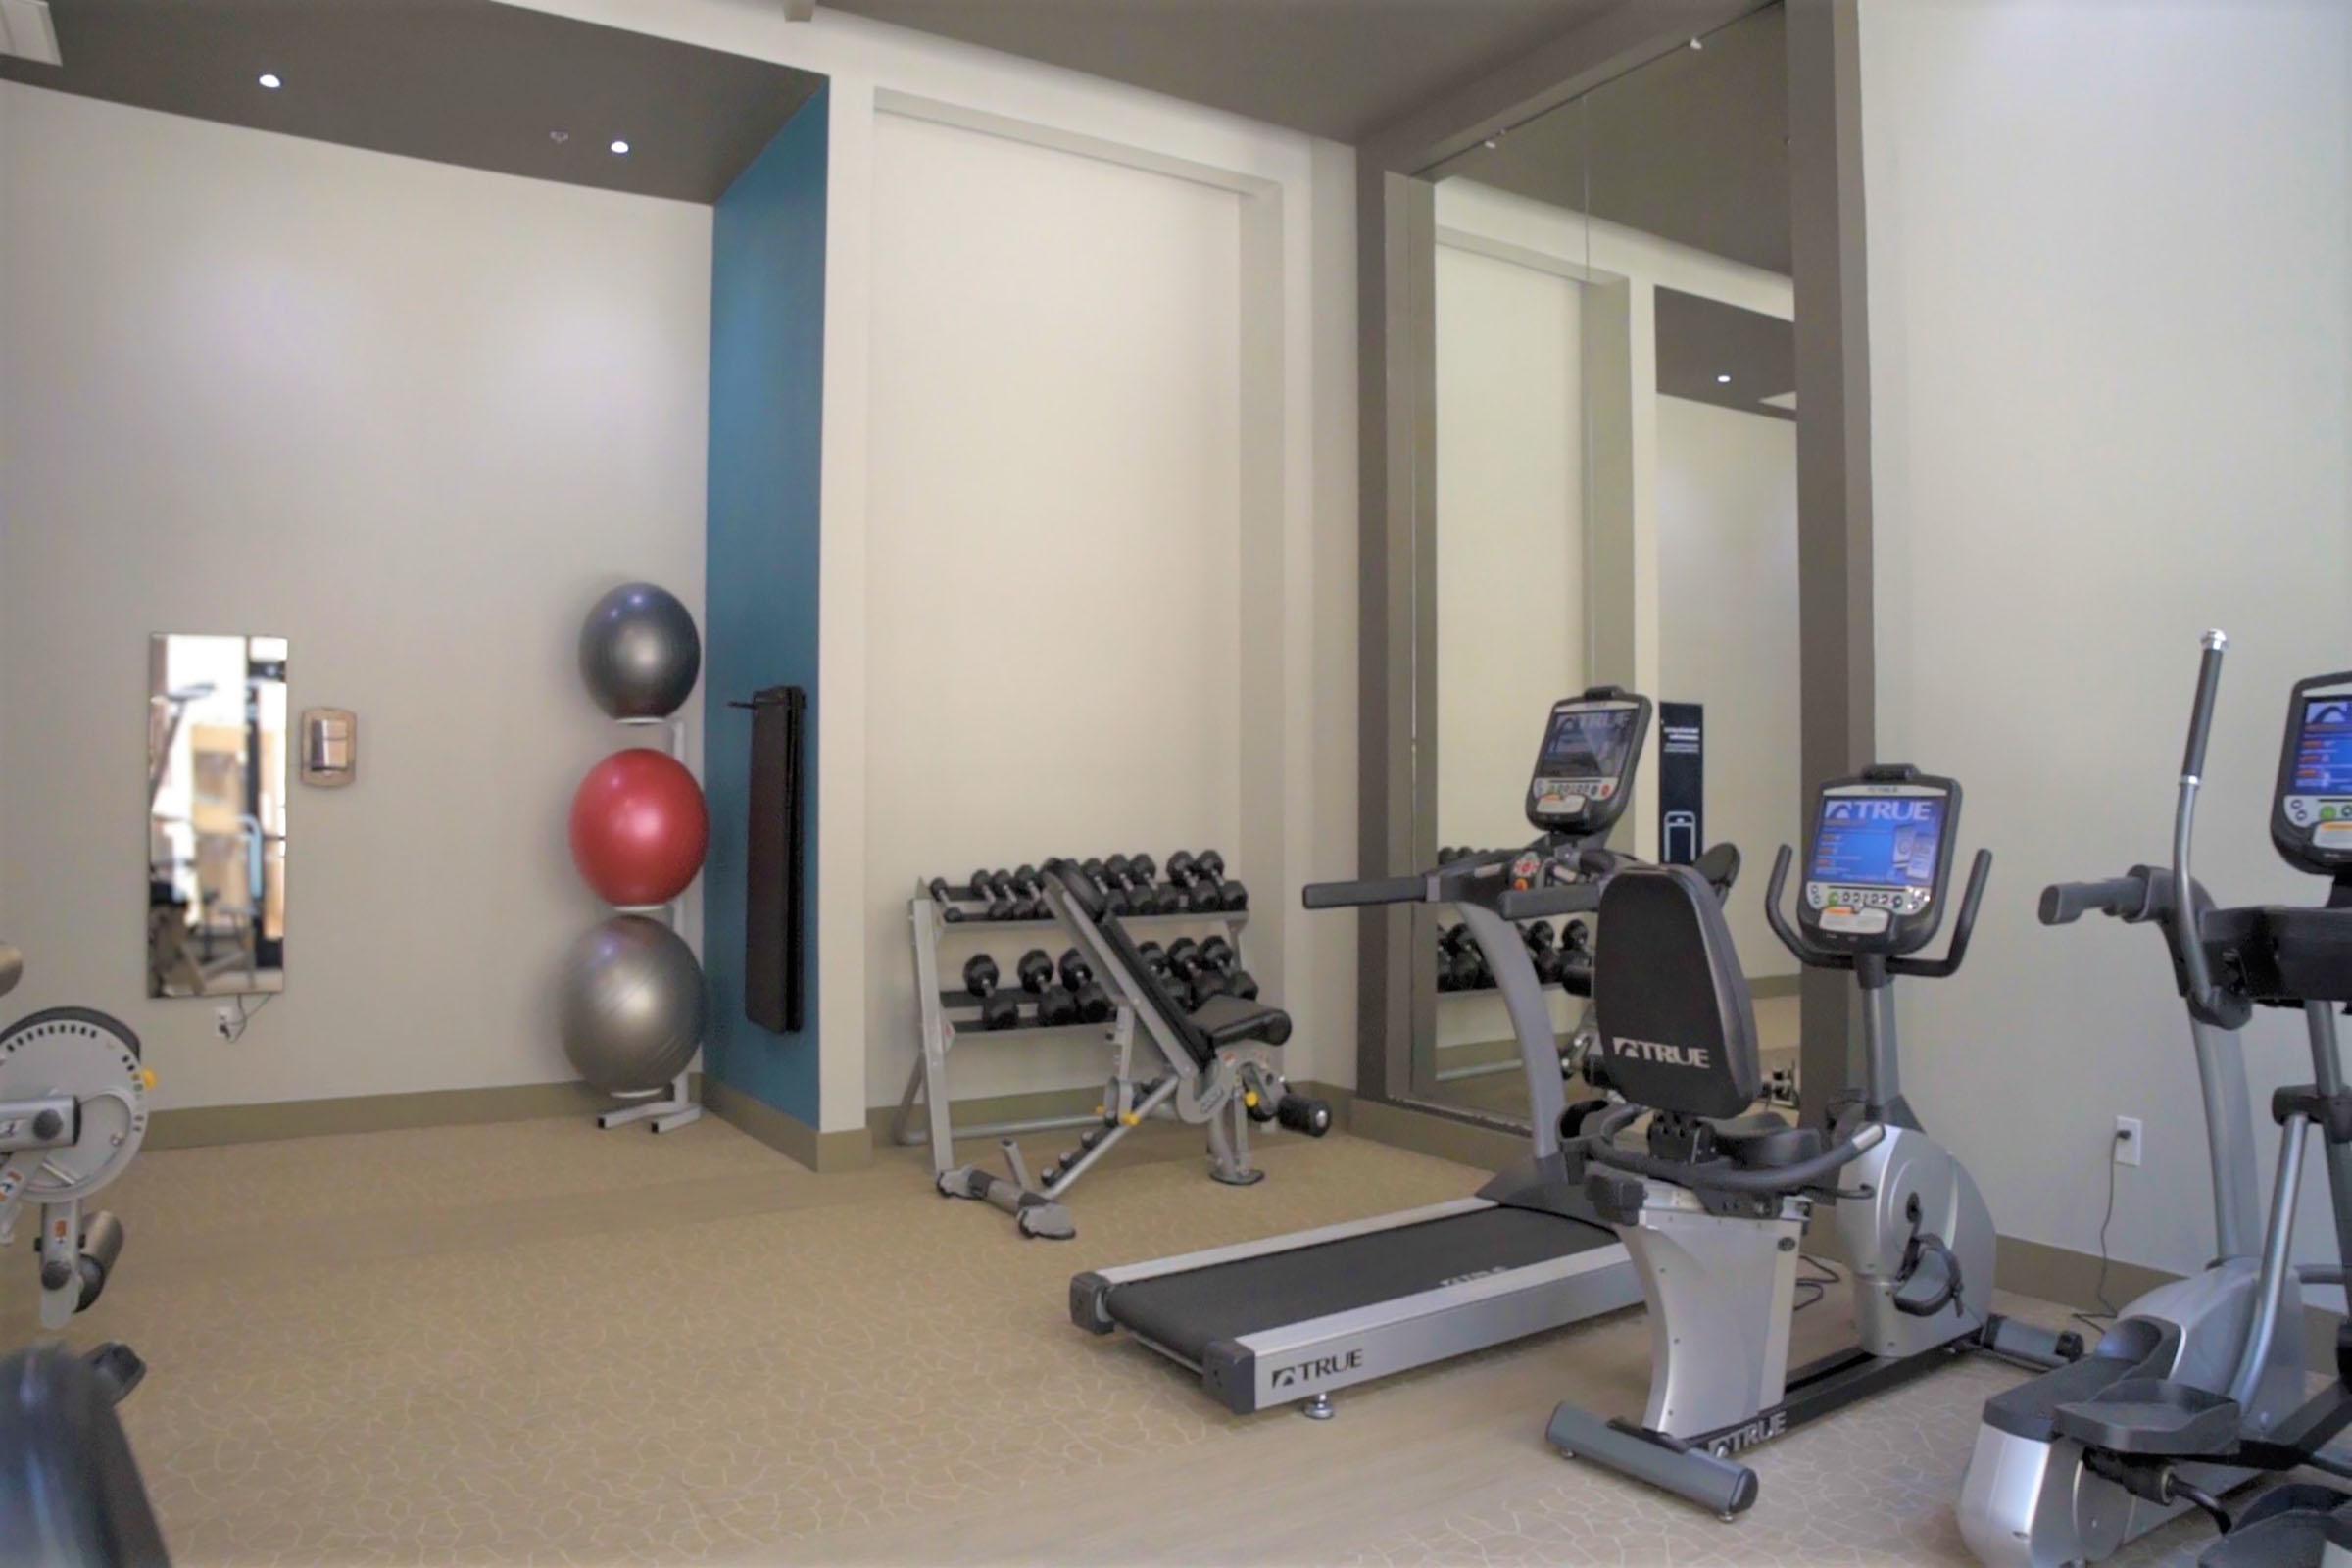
[
  {"x": 639, "y": 652},
  {"x": 633, "y": 1006}
]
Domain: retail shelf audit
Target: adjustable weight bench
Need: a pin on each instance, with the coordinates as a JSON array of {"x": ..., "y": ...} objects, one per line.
[{"x": 1201, "y": 1077}]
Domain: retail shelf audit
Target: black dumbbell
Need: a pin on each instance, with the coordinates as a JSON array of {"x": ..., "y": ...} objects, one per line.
[
  {"x": 1136, "y": 895},
  {"x": 1114, "y": 896},
  {"x": 1054, "y": 1006},
  {"x": 1197, "y": 984},
  {"x": 1000, "y": 898},
  {"x": 946, "y": 899},
  {"x": 997, "y": 1009},
  {"x": 1543, "y": 951},
  {"x": 1226, "y": 962},
  {"x": 1156, "y": 965},
  {"x": 1078, "y": 978},
  {"x": 1029, "y": 889},
  {"x": 1145, "y": 871},
  {"x": 1230, "y": 894},
  {"x": 1199, "y": 879},
  {"x": 1446, "y": 938}
]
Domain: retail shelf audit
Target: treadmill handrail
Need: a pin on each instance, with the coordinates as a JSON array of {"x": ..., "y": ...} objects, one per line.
[{"x": 1376, "y": 890}]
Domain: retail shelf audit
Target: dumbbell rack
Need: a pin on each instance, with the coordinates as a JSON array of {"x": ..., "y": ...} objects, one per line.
[
  {"x": 672, "y": 1108},
  {"x": 945, "y": 1008}
]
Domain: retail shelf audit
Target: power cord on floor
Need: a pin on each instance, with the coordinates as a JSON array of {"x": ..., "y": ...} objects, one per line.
[
  {"x": 2099, "y": 1320},
  {"x": 1817, "y": 1283}
]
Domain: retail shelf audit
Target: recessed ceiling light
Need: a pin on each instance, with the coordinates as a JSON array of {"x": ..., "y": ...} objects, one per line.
[
  {"x": 559, "y": 137},
  {"x": 272, "y": 81},
  {"x": 1723, "y": 381},
  {"x": 620, "y": 149}
]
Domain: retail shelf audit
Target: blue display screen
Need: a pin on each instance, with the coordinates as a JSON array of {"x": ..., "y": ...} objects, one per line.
[
  {"x": 1878, "y": 841},
  {"x": 2323, "y": 751},
  {"x": 1587, "y": 742}
]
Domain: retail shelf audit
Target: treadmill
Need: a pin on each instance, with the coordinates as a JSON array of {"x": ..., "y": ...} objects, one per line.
[{"x": 1295, "y": 1317}]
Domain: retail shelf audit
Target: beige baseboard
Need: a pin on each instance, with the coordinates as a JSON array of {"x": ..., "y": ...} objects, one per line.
[
  {"x": 1775, "y": 985},
  {"x": 201, "y": 1126},
  {"x": 788, "y": 1135}
]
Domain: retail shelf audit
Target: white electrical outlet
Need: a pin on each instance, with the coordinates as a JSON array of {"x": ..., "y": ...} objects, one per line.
[
  {"x": 2127, "y": 1140},
  {"x": 225, "y": 1022}
]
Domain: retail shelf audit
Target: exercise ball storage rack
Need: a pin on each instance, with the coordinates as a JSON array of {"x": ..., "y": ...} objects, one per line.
[
  {"x": 671, "y": 1107},
  {"x": 947, "y": 1008}
]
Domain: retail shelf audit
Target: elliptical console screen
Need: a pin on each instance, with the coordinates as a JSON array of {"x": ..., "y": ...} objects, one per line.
[
  {"x": 1584, "y": 769},
  {"x": 2312, "y": 824},
  {"x": 2320, "y": 799},
  {"x": 1878, "y": 853}
]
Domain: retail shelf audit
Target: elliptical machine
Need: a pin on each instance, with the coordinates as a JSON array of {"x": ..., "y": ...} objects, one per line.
[
  {"x": 2196, "y": 1388},
  {"x": 1715, "y": 1207},
  {"x": 72, "y": 1112}
]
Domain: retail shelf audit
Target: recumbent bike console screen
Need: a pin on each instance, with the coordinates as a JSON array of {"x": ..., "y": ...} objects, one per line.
[
  {"x": 1583, "y": 778},
  {"x": 1882, "y": 853}
]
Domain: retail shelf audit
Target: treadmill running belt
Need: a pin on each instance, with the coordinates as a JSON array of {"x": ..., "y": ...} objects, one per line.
[{"x": 1184, "y": 1313}]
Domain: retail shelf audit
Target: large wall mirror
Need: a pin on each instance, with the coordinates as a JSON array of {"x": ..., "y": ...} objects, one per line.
[
  {"x": 216, "y": 815},
  {"x": 1615, "y": 492}
]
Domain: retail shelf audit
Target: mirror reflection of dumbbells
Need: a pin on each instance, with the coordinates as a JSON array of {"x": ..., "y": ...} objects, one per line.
[{"x": 1462, "y": 964}]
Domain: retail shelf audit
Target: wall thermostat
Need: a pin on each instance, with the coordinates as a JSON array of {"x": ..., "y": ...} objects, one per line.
[{"x": 330, "y": 746}]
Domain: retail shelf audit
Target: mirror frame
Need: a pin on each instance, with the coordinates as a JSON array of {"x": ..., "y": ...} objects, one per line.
[{"x": 1397, "y": 396}]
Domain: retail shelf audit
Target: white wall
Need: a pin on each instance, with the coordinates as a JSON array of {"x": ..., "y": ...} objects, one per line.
[
  {"x": 413, "y": 418},
  {"x": 1510, "y": 531},
  {"x": 1297, "y": 402},
  {"x": 1053, "y": 582},
  {"x": 1727, "y": 578},
  {"x": 2111, "y": 362}
]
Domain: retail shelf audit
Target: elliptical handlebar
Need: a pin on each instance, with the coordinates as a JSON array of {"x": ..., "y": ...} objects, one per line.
[
  {"x": 2204, "y": 997},
  {"x": 2125, "y": 898}
]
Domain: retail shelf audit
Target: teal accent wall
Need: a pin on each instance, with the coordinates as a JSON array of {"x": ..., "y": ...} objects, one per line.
[{"x": 767, "y": 363}]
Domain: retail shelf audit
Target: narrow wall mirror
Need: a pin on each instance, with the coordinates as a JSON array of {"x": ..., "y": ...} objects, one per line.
[
  {"x": 216, "y": 815},
  {"x": 1614, "y": 496}
]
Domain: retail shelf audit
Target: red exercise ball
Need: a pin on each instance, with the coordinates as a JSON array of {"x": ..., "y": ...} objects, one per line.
[{"x": 639, "y": 827}]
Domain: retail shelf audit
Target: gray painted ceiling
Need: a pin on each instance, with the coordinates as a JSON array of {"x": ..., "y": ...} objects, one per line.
[
  {"x": 1692, "y": 147},
  {"x": 1701, "y": 340},
  {"x": 1332, "y": 67},
  {"x": 460, "y": 82}
]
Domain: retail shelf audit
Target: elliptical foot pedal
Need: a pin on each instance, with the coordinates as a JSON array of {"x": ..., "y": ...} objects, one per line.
[
  {"x": 117, "y": 1368},
  {"x": 2153, "y": 1416}
]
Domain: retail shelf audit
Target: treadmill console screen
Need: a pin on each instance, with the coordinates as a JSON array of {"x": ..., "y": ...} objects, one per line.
[
  {"x": 2313, "y": 823},
  {"x": 1879, "y": 860},
  {"x": 1584, "y": 774}
]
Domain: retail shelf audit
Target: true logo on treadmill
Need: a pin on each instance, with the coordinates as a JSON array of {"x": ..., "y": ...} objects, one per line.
[
  {"x": 1322, "y": 1366},
  {"x": 1658, "y": 1051}
]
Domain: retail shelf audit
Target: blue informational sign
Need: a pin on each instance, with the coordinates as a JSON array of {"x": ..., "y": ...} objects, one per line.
[
  {"x": 1681, "y": 782},
  {"x": 1878, "y": 841}
]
